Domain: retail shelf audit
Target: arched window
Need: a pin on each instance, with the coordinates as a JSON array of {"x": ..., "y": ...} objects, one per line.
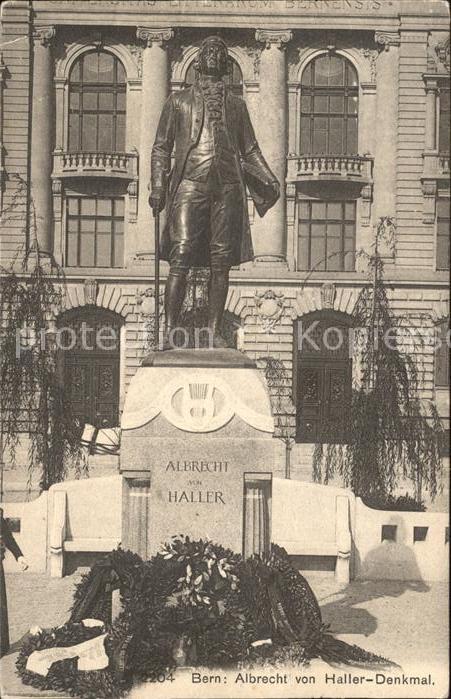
[
  {"x": 329, "y": 107},
  {"x": 97, "y": 96},
  {"x": 233, "y": 78}
]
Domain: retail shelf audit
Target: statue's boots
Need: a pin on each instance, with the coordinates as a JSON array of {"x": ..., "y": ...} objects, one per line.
[{"x": 217, "y": 295}]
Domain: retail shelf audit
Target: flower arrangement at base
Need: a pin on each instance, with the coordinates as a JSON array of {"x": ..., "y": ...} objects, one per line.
[{"x": 195, "y": 603}]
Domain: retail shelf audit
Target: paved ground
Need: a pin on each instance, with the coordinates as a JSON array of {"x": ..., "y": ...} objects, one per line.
[{"x": 406, "y": 622}]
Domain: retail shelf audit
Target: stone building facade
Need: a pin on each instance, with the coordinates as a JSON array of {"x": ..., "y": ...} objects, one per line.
[{"x": 350, "y": 104}]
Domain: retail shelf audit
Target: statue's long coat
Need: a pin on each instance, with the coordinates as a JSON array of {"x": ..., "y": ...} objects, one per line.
[{"x": 180, "y": 125}]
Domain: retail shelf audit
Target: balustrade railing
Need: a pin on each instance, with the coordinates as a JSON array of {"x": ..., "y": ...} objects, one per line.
[
  {"x": 95, "y": 163},
  {"x": 351, "y": 167}
]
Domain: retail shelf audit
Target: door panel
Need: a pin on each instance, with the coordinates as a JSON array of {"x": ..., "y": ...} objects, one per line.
[
  {"x": 336, "y": 401},
  {"x": 78, "y": 385},
  {"x": 310, "y": 394},
  {"x": 92, "y": 386},
  {"x": 324, "y": 390},
  {"x": 106, "y": 392}
]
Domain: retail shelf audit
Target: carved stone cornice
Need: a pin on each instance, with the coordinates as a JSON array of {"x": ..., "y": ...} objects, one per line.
[
  {"x": 387, "y": 39},
  {"x": 44, "y": 35},
  {"x": 151, "y": 36},
  {"x": 274, "y": 37},
  {"x": 442, "y": 51}
]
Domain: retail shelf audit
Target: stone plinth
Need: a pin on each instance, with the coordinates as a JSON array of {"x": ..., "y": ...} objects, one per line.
[{"x": 190, "y": 434}]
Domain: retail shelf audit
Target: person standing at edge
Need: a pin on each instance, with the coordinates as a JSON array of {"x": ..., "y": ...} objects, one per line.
[
  {"x": 216, "y": 157},
  {"x": 7, "y": 541}
]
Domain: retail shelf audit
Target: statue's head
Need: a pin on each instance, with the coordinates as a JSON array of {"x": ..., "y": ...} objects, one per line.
[{"x": 213, "y": 57}]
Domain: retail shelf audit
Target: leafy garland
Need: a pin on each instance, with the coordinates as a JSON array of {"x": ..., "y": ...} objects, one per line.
[{"x": 195, "y": 603}]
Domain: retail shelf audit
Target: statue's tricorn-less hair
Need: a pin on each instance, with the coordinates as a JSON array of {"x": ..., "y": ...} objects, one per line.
[{"x": 215, "y": 40}]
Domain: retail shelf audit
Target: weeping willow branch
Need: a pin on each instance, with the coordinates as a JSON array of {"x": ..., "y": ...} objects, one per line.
[
  {"x": 391, "y": 434},
  {"x": 33, "y": 402}
]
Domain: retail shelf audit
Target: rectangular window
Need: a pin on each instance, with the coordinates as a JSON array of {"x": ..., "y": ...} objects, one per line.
[
  {"x": 443, "y": 233},
  {"x": 94, "y": 231},
  {"x": 326, "y": 235}
]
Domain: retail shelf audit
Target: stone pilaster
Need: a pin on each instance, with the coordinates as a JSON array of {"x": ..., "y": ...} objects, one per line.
[
  {"x": 155, "y": 90},
  {"x": 42, "y": 125},
  {"x": 385, "y": 165},
  {"x": 270, "y": 244},
  {"x": 2, "y": 171},
  {"x": 431, "y": 115}
]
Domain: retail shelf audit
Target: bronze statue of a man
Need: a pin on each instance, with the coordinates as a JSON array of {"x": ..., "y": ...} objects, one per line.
[{"x": 216, "y": 156}]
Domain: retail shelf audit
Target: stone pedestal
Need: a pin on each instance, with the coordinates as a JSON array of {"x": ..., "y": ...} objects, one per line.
[{"x": 196, "y": 427}]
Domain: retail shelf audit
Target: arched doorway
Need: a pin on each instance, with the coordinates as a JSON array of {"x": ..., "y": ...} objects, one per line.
[
  {"x": 89, "y": 364},
  {"x": 322, "y": 376}
]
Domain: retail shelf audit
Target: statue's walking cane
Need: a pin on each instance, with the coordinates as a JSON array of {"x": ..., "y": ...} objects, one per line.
[{"x": 157, "y": 278}]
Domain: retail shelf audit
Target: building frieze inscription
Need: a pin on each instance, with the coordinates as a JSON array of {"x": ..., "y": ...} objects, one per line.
[{"x": 257, "y": 6}]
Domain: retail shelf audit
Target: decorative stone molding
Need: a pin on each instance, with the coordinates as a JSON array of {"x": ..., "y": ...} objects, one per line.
[
  {"x": 274, "y": 37},
  {"x": 137, "y": 53},
  {"x": 356, "y": 56},
  {"x": 108, "y": 296},
  {"x": 371, "y": 56},
  {"x": 132, "y": 191},
  {"x": 145, "y": 302},
  {"x": 429, "y": 188},
  {"x": 151, "y": 36},
  {"x": 366, "y": 198},
  {"x": 442, "y": 51},
  {"x": 269, "y": 305},
  {"x": 440, "y": 310},
  {"x": 387, "y": 39},
  {"x": 90, "y": 288},
  {"x": 236, "y": 304},
  {"x": 328, "y": 292},
  {"x": 199, "y": 400},
  {"x": 309, "y": 300},
  {"x": 44, "y": 35},
  {"x": 68, "y": 52}
]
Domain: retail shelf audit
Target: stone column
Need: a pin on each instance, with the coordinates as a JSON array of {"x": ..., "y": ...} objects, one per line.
[
  {"x": 385, "y": 164},
  {"x": 155, "y": 90},
  {"x": 431, "y": 115},
  {"x": 42, "y": 125},
  {"x": 270, "y": 244}
]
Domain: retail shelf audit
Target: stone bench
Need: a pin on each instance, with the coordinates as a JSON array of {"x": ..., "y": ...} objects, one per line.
[{"x": 60, "y": 543}]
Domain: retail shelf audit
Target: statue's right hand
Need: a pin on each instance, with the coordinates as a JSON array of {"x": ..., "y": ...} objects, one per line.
[{"x": 157, "y": 200}]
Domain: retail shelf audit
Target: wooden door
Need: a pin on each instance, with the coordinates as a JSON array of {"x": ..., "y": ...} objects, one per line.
[
  {"x": 90, "y": 369},
  {"x": 324, "y": 391}
]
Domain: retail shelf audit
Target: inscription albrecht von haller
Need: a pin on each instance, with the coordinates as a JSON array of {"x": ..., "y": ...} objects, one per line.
[{"x": 197, "y": 497}]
